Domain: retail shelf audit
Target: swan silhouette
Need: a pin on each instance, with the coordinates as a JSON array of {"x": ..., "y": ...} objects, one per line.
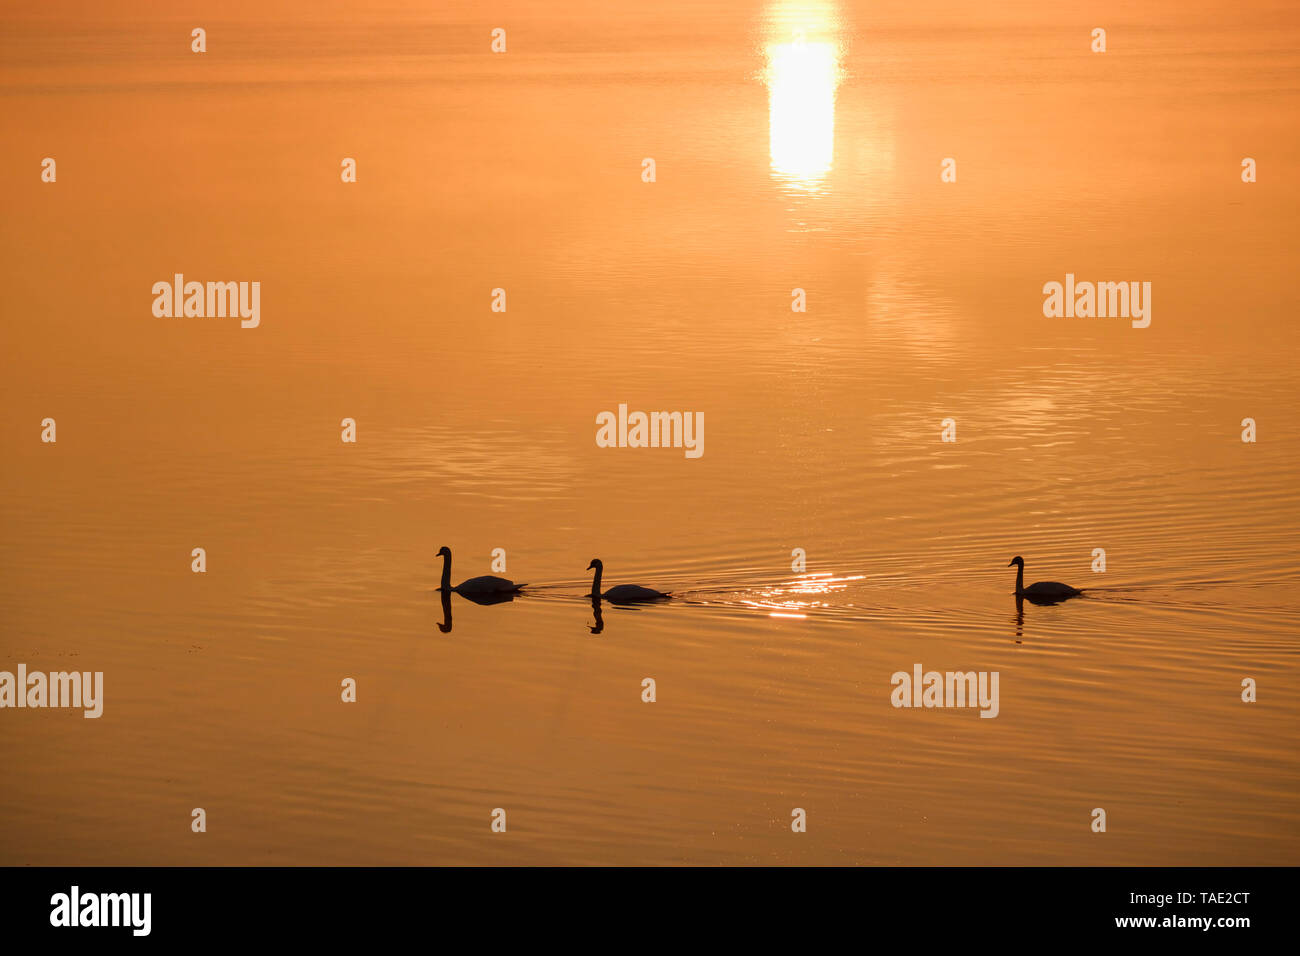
[
  {"x": 487, "y": 589},
  {"x": 623, "y": 593},
  {"x": 1040, "y": 592}
]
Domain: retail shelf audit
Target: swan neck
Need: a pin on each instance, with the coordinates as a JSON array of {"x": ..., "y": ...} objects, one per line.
[
  {"x": 1020, "y": 579},
  {"x": 446, "y": 573},
  {"x": 595, "y": 582}
]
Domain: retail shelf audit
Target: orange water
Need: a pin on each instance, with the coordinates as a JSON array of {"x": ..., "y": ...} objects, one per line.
[{"x": 783, "y": 160}]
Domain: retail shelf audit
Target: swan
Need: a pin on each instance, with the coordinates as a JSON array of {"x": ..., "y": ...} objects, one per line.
[
  {"x": 486, "y": 585},
  {"x": 623, "y": 593},
  {"x": 1040, "y": 592}
]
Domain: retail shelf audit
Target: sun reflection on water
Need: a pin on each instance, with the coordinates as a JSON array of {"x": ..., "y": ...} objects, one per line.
[
  {"x": 796, "y": 598},
  {"x": 803, "y": 72}
]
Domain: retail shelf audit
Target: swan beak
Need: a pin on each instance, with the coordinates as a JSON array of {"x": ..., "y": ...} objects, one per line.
[
  {"x": 590, "y": 566},
  {"x": 1011, "y": 564}
]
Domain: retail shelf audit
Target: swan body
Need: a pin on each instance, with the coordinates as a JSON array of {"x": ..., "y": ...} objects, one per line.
[
  {"x": 1053, "y": 590},
  {"x": 623, "y": 593},
  {"x": 1040, "y": 592},
  {"x": 487, "y": 584},
  {"x": 632, "y": 593}
]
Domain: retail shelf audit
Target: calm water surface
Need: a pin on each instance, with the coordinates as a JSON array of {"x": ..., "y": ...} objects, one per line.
[{"x": 797, "y": 145}]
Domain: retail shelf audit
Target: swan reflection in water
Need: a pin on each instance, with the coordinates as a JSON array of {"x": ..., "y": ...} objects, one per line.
[
  {"x": 445, "y": 624},
  {"x": 498, "y": 597}
]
